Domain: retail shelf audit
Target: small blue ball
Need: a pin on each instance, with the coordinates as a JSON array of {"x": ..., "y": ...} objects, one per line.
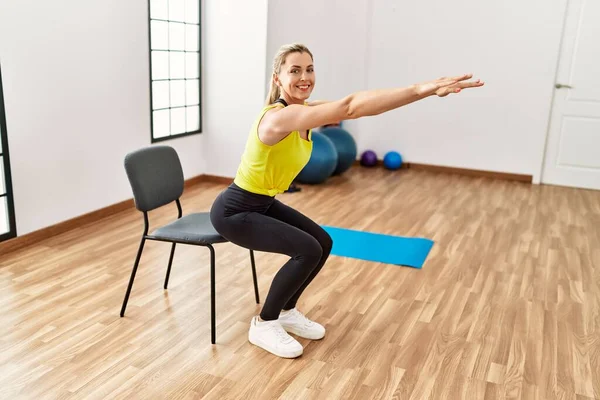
[{"x": 392, "y": 160}]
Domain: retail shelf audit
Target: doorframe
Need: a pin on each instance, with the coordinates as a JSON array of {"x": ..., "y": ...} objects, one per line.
[{"x": 552, "y": 98}]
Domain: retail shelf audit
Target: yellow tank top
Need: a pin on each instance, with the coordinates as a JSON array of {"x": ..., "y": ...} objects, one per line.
[{"x": 270, "y": 170}]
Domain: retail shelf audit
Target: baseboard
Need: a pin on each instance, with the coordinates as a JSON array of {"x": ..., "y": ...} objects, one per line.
[
  {"x": 36, "y": 236},
  {"x": 193, "y": 181},
  {"x": 473, "y": 172},
  {"x": 217, "y": 179},
  {"x": 379, "y": 164},
  {"x": 463, "y": 171}
]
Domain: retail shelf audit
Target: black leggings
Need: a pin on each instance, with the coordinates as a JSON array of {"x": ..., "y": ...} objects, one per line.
[{"x": 262, "y": 223}]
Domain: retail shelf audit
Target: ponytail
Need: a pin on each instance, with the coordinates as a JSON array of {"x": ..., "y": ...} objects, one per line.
[{"x": 274, "y": 92}]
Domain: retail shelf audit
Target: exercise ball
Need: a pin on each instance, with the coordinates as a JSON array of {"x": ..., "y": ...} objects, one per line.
[
  {"x": 345, "y": 146},
  {"x": 392, "y": 160},
  {"x": 322, "y": 163},
  {"x": 368, "y": 158}
]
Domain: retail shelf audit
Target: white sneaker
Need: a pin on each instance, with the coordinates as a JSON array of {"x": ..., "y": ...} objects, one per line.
[
  {"x": 293, "y": 321},
  {"x": 270, "y": 336}
]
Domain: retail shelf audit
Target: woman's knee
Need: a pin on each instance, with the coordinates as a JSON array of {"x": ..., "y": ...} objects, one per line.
[{"x": 311, "y": 252}]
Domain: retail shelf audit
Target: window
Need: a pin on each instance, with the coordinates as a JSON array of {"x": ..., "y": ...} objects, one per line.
[
  {"x": 7, "y": 209},
  {"x": 174, "y": 68}
]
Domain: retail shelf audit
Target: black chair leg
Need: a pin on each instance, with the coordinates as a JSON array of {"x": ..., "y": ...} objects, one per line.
[
  {"x": 254, "y": 277},
  {"x": 169, "y": 267},
  {"x": 213, "y": 334},
  {"x": 135, "y": 266}
]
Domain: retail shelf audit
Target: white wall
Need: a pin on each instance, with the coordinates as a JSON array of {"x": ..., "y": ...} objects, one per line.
[
  {"x": 235, "y": 45},
  {"x": 512, "y": 45},
  {"x": 76, "y": 86},
  {"x": 333, "y": 31},
  {"x": 336, "y": 33},
  {"x": 76, "y": 82}
]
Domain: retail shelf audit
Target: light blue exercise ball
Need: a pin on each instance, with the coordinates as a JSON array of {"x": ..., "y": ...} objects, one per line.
[
  {"x": 345, "y": 146},
  {"x": 322, "y": 163}
]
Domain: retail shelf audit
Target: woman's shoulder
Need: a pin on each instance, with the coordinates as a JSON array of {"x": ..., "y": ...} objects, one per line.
[
  {"x": 261, "y": 115},
  {"x": 272, "y": 106},
  {"x": 267, "y": 108}
]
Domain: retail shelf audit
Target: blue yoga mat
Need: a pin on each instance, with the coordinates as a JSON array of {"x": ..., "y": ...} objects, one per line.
[{"x": 398, "y": 250}]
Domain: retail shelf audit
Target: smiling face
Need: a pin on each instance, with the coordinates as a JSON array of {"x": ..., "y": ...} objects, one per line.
[{"x": 296, "y": 77}]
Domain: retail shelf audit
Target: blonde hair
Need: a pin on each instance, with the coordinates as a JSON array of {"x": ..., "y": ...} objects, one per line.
[{"x": 282, "y": 53}]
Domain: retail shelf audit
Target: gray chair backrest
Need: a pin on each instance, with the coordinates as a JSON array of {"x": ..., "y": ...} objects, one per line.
[{"x": 155, "y": 175}]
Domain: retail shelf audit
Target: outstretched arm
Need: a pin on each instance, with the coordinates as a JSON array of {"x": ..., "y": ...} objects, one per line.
[
  {"x": 279, "y": 122},
  {"x": 317, "y": 102}
]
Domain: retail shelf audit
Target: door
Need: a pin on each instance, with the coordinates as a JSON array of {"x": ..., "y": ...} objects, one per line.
[{"x": 572, "y": 155}]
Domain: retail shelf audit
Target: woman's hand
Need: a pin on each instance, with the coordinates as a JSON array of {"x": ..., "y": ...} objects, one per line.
[{"x": 444, "y": 86}]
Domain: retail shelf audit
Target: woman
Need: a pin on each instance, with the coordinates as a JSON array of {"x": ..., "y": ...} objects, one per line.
[{"x": 278, "y": 147}]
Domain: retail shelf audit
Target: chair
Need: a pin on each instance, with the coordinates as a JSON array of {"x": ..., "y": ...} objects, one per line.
[{"x": 156, "y": 179}]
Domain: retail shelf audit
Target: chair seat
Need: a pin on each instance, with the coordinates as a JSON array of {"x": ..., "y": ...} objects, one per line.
[{"x": 191, "y": 229}]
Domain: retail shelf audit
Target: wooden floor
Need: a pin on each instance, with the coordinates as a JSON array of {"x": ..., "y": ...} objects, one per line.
[{"x": 506, "y": 306}]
